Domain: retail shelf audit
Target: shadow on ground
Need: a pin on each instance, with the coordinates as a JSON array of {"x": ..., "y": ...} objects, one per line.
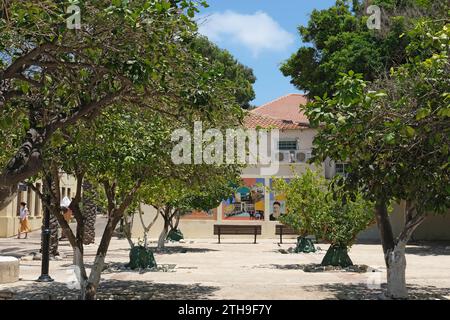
[
  {"x": 120, "y": 267},
  {"x": 363, "y": 292},
  {"x": 430, "y": 249},
  {"x": 282, "y": 266},
  {"x": 17, "y": 252},
  {"x": 176, "y": 250},
  {"x": 312, "y": 267},
  {"x": 116, "y": 290}
]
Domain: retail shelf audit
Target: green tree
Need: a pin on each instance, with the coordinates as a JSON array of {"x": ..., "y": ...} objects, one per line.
[
  {"x": 194, "y": 188},
  {"x": 394, "y": 135},
  {"x": 51, "y": 76},
  {"x": 127, "y": 148},
  {"x": 339, "y": 40},
  {"x": 240, "y": 76},
  {"x": 331, "y": 214},
  {"x": 121, "y": 151}
]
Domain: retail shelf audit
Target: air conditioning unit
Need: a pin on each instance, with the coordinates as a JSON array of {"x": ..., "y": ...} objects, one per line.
[
  {"x": 293, "y": 156},
  {"x": 301, "y": 157}
]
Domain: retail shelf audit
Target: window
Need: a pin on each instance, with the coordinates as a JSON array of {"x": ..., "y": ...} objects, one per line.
[
  {"x": 341, "y": 169},
  {"x": 63, "y": 192},
  {"x": 69, "y": 193},
  {"x": 287, "y": 145}
]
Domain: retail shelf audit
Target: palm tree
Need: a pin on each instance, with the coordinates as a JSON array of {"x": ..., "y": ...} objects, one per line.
[{"x": 89, "y": 213}]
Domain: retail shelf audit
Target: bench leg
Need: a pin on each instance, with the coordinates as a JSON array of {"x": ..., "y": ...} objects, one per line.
[
  {"x": 255, "y": 238},
  {"x": 219, "y": 236},
  {"x": 281, "y": 236}
]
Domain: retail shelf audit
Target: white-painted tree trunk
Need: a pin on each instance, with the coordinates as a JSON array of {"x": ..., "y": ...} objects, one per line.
[
  {"x": 396, "y": 272},
  {"x": 78, "y": 261},
  {"x": 97, "y": 268},
  {"x": 163, "y": 236}
]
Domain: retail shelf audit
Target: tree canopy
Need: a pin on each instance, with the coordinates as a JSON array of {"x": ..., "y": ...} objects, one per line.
[
  {"x": 330, "y": 214},
  {"x": 338, "y": 40},
  {"x": 242, "y": 76},
  {"x": 393, "y": 133},
  {"x": 52, "y": 76}
]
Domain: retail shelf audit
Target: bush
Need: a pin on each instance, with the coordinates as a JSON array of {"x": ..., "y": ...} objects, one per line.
[{"x": 333, "y": 216}]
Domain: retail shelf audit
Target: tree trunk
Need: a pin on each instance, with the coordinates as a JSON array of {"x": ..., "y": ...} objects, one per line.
[
  {"x": 396, "y": 272},
  {"x": 385, "y": 228},
  {"x": 163, "y": 235},
  {"x": 387, "y": 241},
  {"x": 94, "y": 277},
  {"x": 99, "y": 262},
  {"x": 54, "y": 241},
  {"x": 78, "y": 261},
  {"x": 52, "y": 207},
  {"x": 128, "y": 226},
  {"x": 7, "y": 194},
  {"x": 25, "y": 163},
  {"x": 394, "y": 250},
  {"x": 89, "y": 213}
]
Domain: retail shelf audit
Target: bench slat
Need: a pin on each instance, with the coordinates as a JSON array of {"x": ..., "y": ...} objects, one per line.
[
  {"x": 237, "y": 229},
  {"x": 227, "y": 229},
  {"x": 282, "y": 229}
]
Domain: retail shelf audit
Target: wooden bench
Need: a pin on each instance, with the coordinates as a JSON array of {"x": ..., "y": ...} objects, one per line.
[
  {"x": 281, "y": 229},
  {"x": 228, "y": 229}
]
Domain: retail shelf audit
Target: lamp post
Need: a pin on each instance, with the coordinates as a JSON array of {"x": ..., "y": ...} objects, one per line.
[{"x": 45, "y": 243}]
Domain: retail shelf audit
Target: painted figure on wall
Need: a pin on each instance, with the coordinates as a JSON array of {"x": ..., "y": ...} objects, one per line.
[{"x": 277, "y": 204}]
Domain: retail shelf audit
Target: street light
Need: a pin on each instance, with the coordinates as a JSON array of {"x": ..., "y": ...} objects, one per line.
[{"x": 45, "y": 247}]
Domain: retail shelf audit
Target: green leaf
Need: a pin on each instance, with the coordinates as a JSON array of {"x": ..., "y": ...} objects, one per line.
[
  {"x": 389, "y": 138},
  {"x": 25, "y": 87},
  {"x": 410, "y": 131},
  {"x": 423, "y": 113},
  {"x": 444, "y": 112}
]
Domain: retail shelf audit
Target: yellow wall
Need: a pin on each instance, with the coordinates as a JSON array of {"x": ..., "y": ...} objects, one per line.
[{"x": 9, "y": 221}]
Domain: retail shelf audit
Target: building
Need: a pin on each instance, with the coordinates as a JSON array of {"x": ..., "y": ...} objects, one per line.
[
  {"x": 253, "y": 203},
  {"x": 9, "y": 216}
]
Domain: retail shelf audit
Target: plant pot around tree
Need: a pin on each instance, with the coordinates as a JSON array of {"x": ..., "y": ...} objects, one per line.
[
  {"x": 337, "y": 256},
  {"x": 141, "y": 258},
  {"x": 175, "y": 235},
  {"x": 304, "y": 245}
]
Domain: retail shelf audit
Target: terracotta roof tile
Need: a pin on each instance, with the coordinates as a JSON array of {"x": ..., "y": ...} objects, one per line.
[
  {"x": 254, "y": 121},
  {"x": 285, "y": 108}
]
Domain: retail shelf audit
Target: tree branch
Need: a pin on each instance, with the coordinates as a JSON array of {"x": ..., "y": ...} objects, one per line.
[{"x": 18, "y": 65}]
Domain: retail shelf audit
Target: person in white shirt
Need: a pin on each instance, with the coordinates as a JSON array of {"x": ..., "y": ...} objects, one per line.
[{"x": 24, "y": 226}]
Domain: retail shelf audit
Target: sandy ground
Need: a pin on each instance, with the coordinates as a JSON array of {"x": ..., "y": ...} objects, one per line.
[{"x": 235, "y": 269}]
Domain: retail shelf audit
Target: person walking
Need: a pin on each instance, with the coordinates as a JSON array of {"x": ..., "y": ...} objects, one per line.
[{"x": 24, "y": 226}]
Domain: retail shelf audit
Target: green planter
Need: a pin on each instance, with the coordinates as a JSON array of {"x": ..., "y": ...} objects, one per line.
[
  {"x": 141, "y": 258},
  {"x": 337, "y": 256},
  {"x": 304, "y": 245},
  {"x": 175, "y": 235}
]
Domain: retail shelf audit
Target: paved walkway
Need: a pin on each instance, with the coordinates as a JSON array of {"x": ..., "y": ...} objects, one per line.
[{"x": 236, "y": 269}]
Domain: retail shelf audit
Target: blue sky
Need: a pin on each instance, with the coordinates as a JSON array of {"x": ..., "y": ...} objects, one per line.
[{"x": 260, "y": 34}]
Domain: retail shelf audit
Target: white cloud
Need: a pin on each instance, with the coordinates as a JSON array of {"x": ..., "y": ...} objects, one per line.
[{"x": 258, "y": 32}]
